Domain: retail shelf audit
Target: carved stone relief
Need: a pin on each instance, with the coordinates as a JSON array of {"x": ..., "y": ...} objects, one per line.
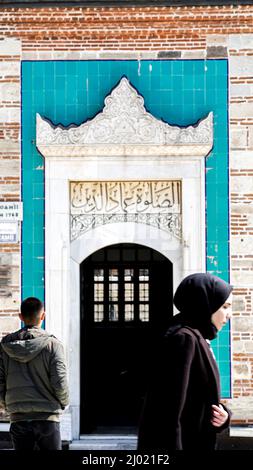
[
  {"x": 122, "y": 125},
  {"x": 156, "y": 203},
  {"x": 124, "y": 128}
]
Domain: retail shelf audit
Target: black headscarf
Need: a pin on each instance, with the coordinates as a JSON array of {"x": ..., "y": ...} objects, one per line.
[{"x": 197, "y": 297}]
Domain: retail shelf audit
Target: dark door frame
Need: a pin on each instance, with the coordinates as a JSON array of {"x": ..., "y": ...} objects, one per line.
[{"x": 156, "y": 263}]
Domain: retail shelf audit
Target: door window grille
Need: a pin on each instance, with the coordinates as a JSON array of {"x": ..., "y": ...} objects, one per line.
[{"x": 121, "y": 294}]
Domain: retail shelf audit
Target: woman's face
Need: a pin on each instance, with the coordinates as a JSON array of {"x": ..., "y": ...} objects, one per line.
[{"x": 221, "y": 316}]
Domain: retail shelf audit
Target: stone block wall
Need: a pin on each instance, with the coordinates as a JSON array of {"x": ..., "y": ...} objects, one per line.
[{"x": 10, "y": 184}]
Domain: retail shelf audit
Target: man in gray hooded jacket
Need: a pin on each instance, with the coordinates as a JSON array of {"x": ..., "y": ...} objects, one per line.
[{"x": 33, "y": 381}]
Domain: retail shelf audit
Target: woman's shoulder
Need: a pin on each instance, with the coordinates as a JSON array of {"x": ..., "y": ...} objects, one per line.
[
  {"x": 182, "y": 342},
  {"x": 183, "y": 332}
]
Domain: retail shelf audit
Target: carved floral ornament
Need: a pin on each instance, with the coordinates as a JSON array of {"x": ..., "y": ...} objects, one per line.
[{"x": 124, "y": 127}]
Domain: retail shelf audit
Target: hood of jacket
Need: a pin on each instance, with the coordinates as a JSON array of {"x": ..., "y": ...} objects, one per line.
[
  {"x": 25, "y": 344},
  {"x": 197, "y": 297}
]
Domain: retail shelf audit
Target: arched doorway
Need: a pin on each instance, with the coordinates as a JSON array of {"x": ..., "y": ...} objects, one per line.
[{"x": 126, "y": 295}]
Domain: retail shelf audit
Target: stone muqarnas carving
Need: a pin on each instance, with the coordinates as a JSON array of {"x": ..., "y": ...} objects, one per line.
[{"x": 121, "y": 128}]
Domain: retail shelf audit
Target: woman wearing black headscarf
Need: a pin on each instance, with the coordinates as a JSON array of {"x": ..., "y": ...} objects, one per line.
[{"x": 182, "y": 409}]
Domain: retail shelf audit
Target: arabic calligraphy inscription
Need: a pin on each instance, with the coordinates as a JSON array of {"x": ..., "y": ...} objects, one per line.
[{"x": 156, "y": 203}]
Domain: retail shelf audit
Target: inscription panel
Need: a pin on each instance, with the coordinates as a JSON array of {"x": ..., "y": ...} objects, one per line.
[{"x": 156, "y": 203}]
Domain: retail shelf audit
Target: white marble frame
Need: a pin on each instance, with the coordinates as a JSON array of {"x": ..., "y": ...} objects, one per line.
[{"x": 63, "y": 258}]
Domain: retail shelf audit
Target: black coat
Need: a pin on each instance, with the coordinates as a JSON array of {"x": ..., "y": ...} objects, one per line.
[{"x": 184, "y": 384}]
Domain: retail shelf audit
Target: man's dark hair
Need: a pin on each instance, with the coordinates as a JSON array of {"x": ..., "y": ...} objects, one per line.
[{"x": 31, "y": 308}]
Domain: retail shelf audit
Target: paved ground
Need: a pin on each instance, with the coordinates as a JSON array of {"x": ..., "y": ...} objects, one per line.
[{"x": 129, "y": 443}]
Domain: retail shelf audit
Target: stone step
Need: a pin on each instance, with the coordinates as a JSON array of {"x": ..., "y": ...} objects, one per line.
[{"x": 107, "y": 442}]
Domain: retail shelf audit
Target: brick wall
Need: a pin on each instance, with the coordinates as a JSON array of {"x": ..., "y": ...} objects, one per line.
[
  {"x": 169, "y": 28},
  {"x": 165, "y": 32},
  {"x": 10, "y": 56}
]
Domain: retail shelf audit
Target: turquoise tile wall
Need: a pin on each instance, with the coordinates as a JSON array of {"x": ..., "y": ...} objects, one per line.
[{"x": 178, "y": 91}]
